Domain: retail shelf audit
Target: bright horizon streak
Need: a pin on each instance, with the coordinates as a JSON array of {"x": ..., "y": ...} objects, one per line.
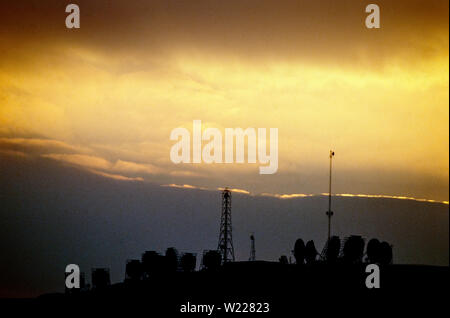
[{"x": 306, "y": 195}]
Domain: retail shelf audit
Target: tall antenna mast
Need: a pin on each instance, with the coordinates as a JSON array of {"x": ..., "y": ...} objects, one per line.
[
  {"x": 252, "y": 249},
  {"x": 225, "y": 245},
  {"x": 329, "y": 212}
]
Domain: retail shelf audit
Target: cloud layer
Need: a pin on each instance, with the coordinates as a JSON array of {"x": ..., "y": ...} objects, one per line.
[{"x": 105, "y": 97}]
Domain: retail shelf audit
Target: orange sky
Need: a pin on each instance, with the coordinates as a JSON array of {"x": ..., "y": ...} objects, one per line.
[{"x": 106, "y": 97}]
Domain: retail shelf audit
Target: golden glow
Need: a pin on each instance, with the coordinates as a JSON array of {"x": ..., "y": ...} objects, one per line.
[{"x": 109, "y": 108}]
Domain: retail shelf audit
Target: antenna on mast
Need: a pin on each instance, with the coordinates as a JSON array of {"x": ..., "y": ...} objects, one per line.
[
  {"x": 329, "y": 212},
  {"x": 252, "y": 249}
]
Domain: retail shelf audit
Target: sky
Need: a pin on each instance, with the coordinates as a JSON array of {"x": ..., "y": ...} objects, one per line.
[{"x": 105, "y": 97}]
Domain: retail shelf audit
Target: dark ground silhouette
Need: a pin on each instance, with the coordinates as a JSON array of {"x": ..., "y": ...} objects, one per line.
[{"x": 329, "y": 283}]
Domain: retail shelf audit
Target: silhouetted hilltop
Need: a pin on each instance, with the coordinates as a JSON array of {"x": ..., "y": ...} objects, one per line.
[{"x": 287, "y": 288}]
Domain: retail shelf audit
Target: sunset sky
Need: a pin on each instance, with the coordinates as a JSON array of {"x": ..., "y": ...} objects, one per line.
[{"x": 105, "y": 97}]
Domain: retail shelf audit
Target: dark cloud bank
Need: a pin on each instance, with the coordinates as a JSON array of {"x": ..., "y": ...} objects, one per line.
[{"x": 324, "y": 31}]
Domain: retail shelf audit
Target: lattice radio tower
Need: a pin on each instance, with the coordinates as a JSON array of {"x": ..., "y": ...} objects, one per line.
[{"x": 225, "y": 246}]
